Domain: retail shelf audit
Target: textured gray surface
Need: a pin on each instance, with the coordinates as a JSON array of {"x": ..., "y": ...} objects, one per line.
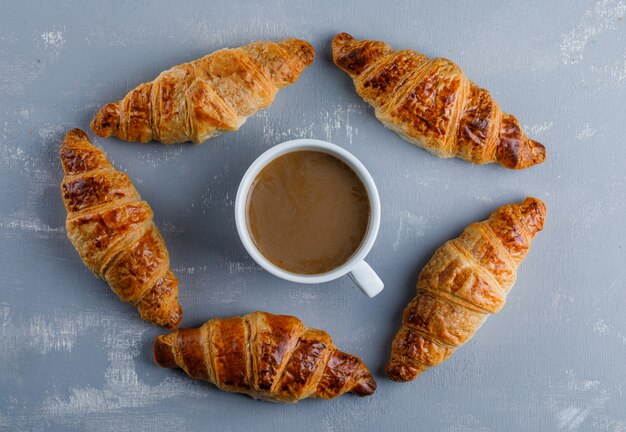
[{"x": 72, "y": 357}]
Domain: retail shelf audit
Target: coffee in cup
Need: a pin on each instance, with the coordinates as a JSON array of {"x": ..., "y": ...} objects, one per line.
[{"x": 307, "y": 212}]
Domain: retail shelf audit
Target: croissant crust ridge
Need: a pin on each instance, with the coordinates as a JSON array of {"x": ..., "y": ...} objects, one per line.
[
  {"x": 432, "y": 104},
  {"x": 270, "y": 357},
  {"x": 113, "y": 231},
  {"x": 198, "y": 100}
]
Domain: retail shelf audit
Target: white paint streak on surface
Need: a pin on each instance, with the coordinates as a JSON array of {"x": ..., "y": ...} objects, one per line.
[
  {"x": 106, "y": 35},
  {"x": 328, "y": 125},
  {"x": 14, "y": 224},
  {"x": 53, "y": 39},
  {"x": 155, "y": 156},
  {"x": 484, "y": 198},
  {"x": 164, "y": 421},
  {"x": 605, "y": 15},
  {"x": 600, "y": 327},
  {"x": 57, "y": 334},
  {"x": 303, "y": 293},
  {"x": 189, "y": 270},
  {"x": 538, "y": 130},
  {"x": 8, "y": 36},
  {"x": 13, "y": 157},
  {"x": 43, "y": 334},
  {"x": 409, "y": 225},
  {"x": 122, "y": 388},
  {"x": 122, "y": 338},
  {"x": 618, "y": 72},
  {"x": 338, "y": 118},
  {"x": 24, "y": 113},
  {"x": 17, "y": 72},
  {"x": 571, "y": 418},
  {"x": 169, "y": 228},
  {"x": 38, "y": 167},
  {"x": 227, "y": 293},
  {"x": 242, "y": 267},
  {"x": 578, "y": 403},
  {"x": 245, "y": 265},
  {"x": 254, "y": 29},
  {"x": 586, "y": 132},
  {"x": 275, "y": 133},
  {"x": 228, "y": 200},
  {"x": 52, "y": 135},
  {"x": 610, "y": 74}
]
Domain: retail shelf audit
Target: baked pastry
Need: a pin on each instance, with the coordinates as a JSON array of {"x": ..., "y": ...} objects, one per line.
[
  {"x": 271, "y": 357},
  {"x": 467, "y": 279},
  {"x": 432, "y": 104},
  {"x": 195, "y": 101},
  {"x": 113, "y": 232}
]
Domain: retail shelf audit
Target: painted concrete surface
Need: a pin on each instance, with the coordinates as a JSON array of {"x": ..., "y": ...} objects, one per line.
[{"x": 72, "y": 357}]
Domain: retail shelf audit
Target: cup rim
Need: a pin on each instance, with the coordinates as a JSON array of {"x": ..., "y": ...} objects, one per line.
[{"x": 297, "y": 145}]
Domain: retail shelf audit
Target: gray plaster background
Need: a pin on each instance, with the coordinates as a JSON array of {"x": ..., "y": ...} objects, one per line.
[{"x": 73, "y": 357}]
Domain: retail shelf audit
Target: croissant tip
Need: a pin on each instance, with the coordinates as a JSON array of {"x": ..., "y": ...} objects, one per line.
[
  {"x": 366, "y": 386},
  {"x": 106, "y": 121},
  {"x": 517, "y": 158},
  {"x": 75, "y": 134},
  {"x": 342, "y": 39},
  {"x": 339, "y": 43},
  {"x": 529, "y": 200},
  {"x": 400, "y": 372},
  {"x": 353, "y": 56},
  {"x": 539, "y": 152},
  {"x": 170, "y": 319},
  {"x": 163, "y": 354},
  {"x": 175, "y": 318},
  {"x": 303, "y": 50},
  {"x": 533, "y": 210}
]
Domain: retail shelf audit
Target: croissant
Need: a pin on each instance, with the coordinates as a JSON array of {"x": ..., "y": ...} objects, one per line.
[
  {"x": 432, "y": 104},
  {"x": 270, "y": 357},
  {"x": 467, "y": 279},
  {"x": 113, "y": 232},
  {"x": 196, "y": 101}
]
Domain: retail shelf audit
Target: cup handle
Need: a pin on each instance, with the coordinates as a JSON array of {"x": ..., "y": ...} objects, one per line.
[{"x": 366, "y": 279}]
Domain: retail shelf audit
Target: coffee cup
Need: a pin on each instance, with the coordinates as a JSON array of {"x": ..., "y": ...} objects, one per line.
[{"x": 355, "y": 266}]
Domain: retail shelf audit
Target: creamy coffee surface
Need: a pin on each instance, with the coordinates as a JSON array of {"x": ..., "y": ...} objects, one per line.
[{"x": 307, "y": 212}]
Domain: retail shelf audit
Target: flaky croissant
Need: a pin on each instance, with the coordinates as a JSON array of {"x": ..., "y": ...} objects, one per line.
[
  {"x": 432, "y": 104},
  {"x": 270, "y": 357},
  {"x": 195, "y": 101},
  {"x": 467, "y": 279},
  {"x": 113, "y": 232}
]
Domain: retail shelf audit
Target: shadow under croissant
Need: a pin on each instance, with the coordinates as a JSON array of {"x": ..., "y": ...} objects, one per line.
[
  {"x": 212, "y": 389},
  {"x": 408, "y": 292}
]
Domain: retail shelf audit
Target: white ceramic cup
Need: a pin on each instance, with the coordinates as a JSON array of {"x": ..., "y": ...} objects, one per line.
[{"x": 360, "y": 272}]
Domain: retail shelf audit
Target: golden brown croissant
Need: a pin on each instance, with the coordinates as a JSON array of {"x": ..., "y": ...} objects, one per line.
[
  {"x": 195, "y": 101},
  {"x": 112, "y": 230},
  {"x": 271, "y": 357},
  {"x": 432, "y": 104},
  {"x": 467, "y": 279}
]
